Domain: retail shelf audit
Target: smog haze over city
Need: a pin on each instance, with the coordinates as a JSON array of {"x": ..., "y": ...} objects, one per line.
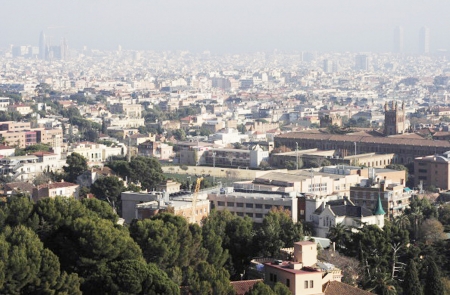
[
  {"x": 227, "y": 26},
  {"x": 213, "y": 147}
]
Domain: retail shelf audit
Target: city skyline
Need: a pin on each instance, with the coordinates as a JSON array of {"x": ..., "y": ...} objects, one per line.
[{"x": 228, "y": 27}]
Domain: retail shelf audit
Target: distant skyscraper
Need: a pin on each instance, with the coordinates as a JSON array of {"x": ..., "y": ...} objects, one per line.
[
  {"x": 361, "y": 62},
  {"x": 64, "y": 49},
  {"x": 42, "y": 46},
  {"x": 398, "y": 40},
  {"x": 424, "y": 40},
  {"x": 327, "y": 66}
]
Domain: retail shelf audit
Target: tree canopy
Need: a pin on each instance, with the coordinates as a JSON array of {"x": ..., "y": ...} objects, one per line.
[
  {"x": 76, "y": 165},
  {"x": 146, "y": 170}
]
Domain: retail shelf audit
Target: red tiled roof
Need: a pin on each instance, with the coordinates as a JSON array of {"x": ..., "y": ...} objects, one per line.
[
  {"x": 5, "y": 147},
  {"x": 58, "y": 185},
  {"x": 242, "y": 287},
  {"x": 366, "y": 138},
  {"x": 339, "y": 288},
  {"x": 42, "y": 153}
]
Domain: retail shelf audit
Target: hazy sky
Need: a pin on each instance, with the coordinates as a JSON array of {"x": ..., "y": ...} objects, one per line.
[{"x": 227, "y": 25}]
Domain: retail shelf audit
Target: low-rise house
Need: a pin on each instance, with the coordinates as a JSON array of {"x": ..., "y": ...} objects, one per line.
[
  {"x": 13, "y": 188},
  {"x": 332, "y": 213},
  {"x": 87, "y": 178},
  {"x": 155, "y": 149},
  {"x": 305, "y": 274},
  {"x": 169, "y": 186},
  {"x": 53, "y": 189},
  {"x": 6, "y": 151},
  {"x": 97, "y": 153}
]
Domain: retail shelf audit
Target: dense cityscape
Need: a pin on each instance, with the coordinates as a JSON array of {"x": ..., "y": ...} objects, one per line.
[{"x": 196, "y": 172}]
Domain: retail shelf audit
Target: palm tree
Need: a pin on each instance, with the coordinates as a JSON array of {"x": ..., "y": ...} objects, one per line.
[
  {"x": 402, "y": 221},
  {"x": 383, "y": 284},
  {"x": 417, "y": 216},
  {"x": 338, "y": 234}
]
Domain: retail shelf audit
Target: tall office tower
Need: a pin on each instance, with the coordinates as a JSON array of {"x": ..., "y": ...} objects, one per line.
[
  {"x": 335, "y": 66},
  {"x": 424, "y": 40},
  {"x": 361, "y": 62},
  {"x": 42, "y": 46},
  {"x": 327, "y": 66},
  {"x": 64, "y": 49},
  {"x": 398, "y": 40}
]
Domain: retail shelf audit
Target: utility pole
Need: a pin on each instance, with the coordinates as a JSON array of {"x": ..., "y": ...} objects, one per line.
[{"x": 296, "y": 151}]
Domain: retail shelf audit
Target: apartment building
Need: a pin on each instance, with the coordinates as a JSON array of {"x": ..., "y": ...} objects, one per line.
[
  {"x": 95, "y": 152},
  {"x": 29, "y": 166},
  {"x": 131, "y": 111},
  {"x": 304, "y": 182},
  {"x": 22, "y": 135},
  {"x": 142, "y": 205},
  {"x": 4, "y": 103},
  {"x": 433, "y": 170},
  {"x": 255, "y": 205},
  {"x": 394, "y": 197},
  {"x": 14, "y": 126}
]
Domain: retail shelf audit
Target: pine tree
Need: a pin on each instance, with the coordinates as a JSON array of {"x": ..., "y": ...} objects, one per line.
[
  {"x": 411, "y": 284},
  {"x": 433, "y": 284}
]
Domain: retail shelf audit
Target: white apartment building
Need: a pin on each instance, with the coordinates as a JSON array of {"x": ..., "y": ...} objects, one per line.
[
  {"x": 255, "y": 205},
  {"x": 28, "y": 167},
  {"x": 126, "y": 122},
  {"x": 4, "y": 103},
  {"x": 95, "y": 152},
  {"x": 303, "y": 181}
]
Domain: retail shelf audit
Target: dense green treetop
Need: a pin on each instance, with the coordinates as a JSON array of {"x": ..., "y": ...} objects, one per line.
[{"x": 76, "y": 165}]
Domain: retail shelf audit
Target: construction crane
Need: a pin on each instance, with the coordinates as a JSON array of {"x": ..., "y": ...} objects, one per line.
[{"x": 194, "y": 198}]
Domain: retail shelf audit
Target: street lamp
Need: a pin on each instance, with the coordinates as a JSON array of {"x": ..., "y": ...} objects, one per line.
[{"x": 214, "y": 166}]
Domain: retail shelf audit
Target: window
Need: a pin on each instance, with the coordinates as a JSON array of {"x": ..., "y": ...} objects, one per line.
[
  {"x": 422, "y": 170},
  {"x": 268, "y": 207},
  {"x": 240, "y": 205},
  {"x": 258, "y": 215},
  {"x": 250, "y": 215},
  {"x": 240, "y": 214},
  {"x": 271, "y": 277},
  {"x": 220, "y": 203},
  {"x": 258, "y": 206},
  {"x": 311, "y": 284},
  {"x": 306, "y": 284},
  {"x": 249, "y": 205},
  {"x": 288, "y": 283},
  {"x": 275, "y": 278},
  {"x": 230, "y": 204},
  {"x": 287, "y": 208}
]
